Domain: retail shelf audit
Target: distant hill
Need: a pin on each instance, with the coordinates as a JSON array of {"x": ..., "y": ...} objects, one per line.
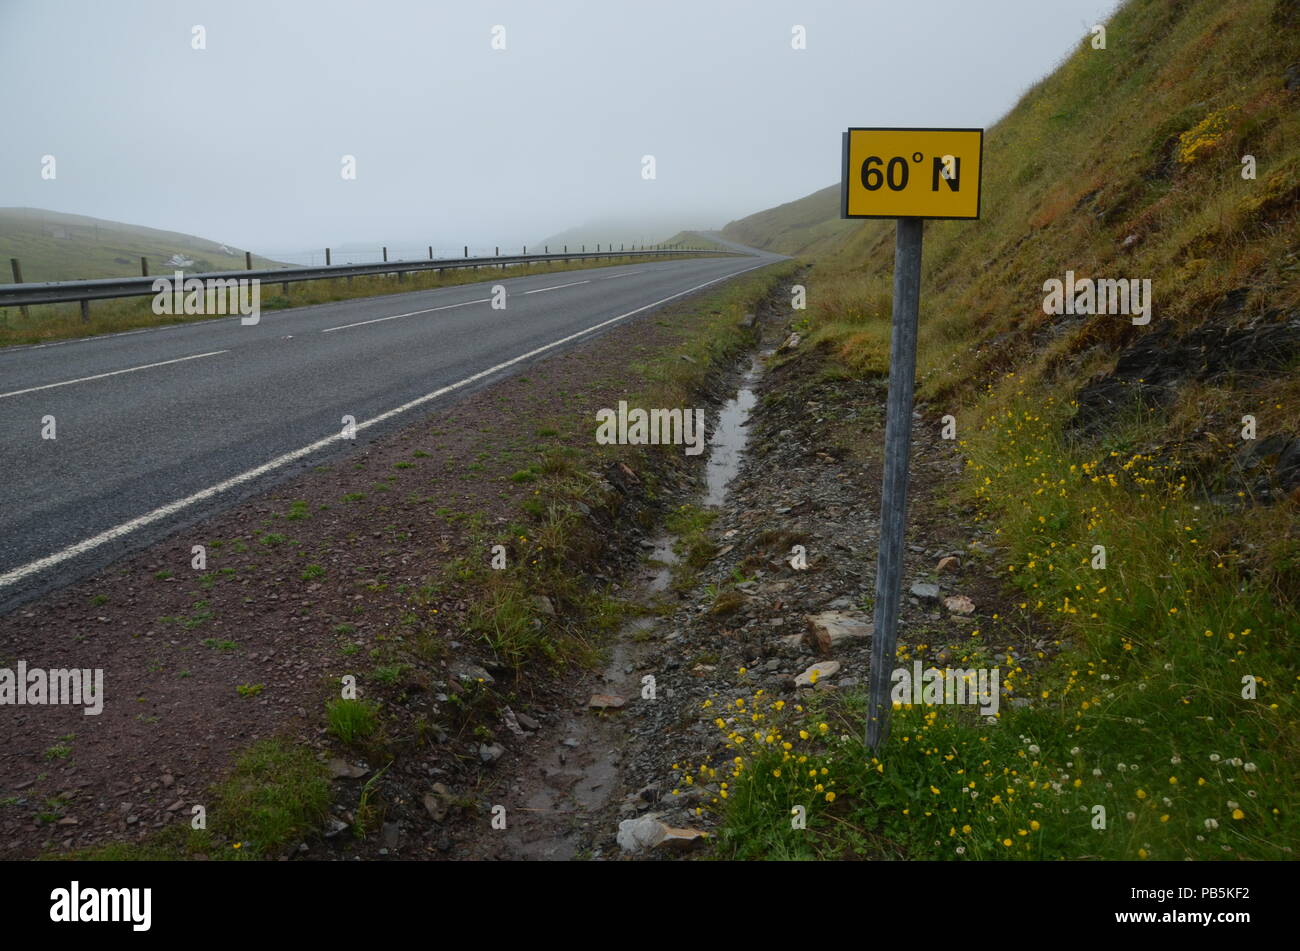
[
  {"x": 53, "y": 246},
  {"x": 622, "y": 231},
  {"x": 805, "y": 226}
]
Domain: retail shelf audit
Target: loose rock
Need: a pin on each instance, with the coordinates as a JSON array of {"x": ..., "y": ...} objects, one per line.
[
  {"x": 817, "y": 672},
  {"x": 833, "y": 628},
  {"x": 959, "y": 604}
]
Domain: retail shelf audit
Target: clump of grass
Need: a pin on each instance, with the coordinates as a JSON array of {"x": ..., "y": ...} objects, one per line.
[
  {"x": 503, "y": 619},
  {"x": 277, "y": 794},
  {"x": 693, "y": 545},
  {"x": 726, "y": 602},
  {"x": 389, "y": 673},
  {"x": 352, "y": 721}
]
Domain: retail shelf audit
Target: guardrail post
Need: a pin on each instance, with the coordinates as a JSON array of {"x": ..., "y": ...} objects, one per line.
[
  {"x": 327, "y": 257},
  {"x": 385, "y": 255},
  {"x": 467, "y": 250},
  {"x": 248, "y": 260},
  {"x": 284, "y": 288},
  {"x": 144, "y": 268},
  {"x": 430, "y": 252},
  {"x": 85, "y": 311},
  {"x": 18, "y": 279}
]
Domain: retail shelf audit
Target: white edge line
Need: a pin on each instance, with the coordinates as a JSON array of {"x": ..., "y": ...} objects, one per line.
[
  {"x": 171, "y": 508},
  {"x": 100, "y": 376}
]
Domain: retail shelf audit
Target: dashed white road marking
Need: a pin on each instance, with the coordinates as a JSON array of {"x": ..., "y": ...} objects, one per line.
[
  {"x": 414, "y": 313},
  {"x": 556, "y": 287},
  {"x": 100, "y": 376},
  {"x": 171, "y": 508}
]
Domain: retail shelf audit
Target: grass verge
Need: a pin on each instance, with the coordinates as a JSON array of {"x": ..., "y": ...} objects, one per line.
[{"x": 276, "y": 795}]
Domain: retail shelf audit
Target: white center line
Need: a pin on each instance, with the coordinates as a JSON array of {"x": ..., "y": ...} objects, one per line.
[
  {"x": 617, "y": 276},
  {"x": 556, "y": 287},
  {"x": 379, "y": 320},
  {"x": 100, "y": 376},
  {"x": 171, "y": 508}
]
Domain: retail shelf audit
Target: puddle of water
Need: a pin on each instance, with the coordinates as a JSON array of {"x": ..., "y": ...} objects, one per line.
[
  {"x": 659, "y": 564},
  {"x": 727, "y": 444},
  {"x": 578, "y": 778}
]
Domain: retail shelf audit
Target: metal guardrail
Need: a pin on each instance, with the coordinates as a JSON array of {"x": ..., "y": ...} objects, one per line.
[{"x": 54, "y": 292}]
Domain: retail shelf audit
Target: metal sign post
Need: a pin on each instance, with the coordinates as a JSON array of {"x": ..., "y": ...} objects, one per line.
[{"x": 909, "y": 175}]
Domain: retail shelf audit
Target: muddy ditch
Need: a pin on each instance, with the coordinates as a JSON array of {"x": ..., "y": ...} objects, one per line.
[{"x": 567, "y": 785}]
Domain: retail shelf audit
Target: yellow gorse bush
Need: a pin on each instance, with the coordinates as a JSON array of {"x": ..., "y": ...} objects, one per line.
[{"x": 1202, "y": 137}]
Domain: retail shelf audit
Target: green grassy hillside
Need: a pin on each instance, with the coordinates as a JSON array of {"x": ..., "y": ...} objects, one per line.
[
  {"x": 1078, "y": 431},
  {"x": 53, "y": 246}
]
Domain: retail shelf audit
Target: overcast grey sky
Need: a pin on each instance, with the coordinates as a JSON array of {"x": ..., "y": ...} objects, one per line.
[{"x": 456, "y": 142}]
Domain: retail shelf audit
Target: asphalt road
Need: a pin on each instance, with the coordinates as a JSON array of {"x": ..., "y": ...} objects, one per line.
[{"x": 211, "y": 412}]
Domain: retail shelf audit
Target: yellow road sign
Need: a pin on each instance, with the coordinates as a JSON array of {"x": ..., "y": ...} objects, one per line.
[{"x": 911, "y": 173}]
